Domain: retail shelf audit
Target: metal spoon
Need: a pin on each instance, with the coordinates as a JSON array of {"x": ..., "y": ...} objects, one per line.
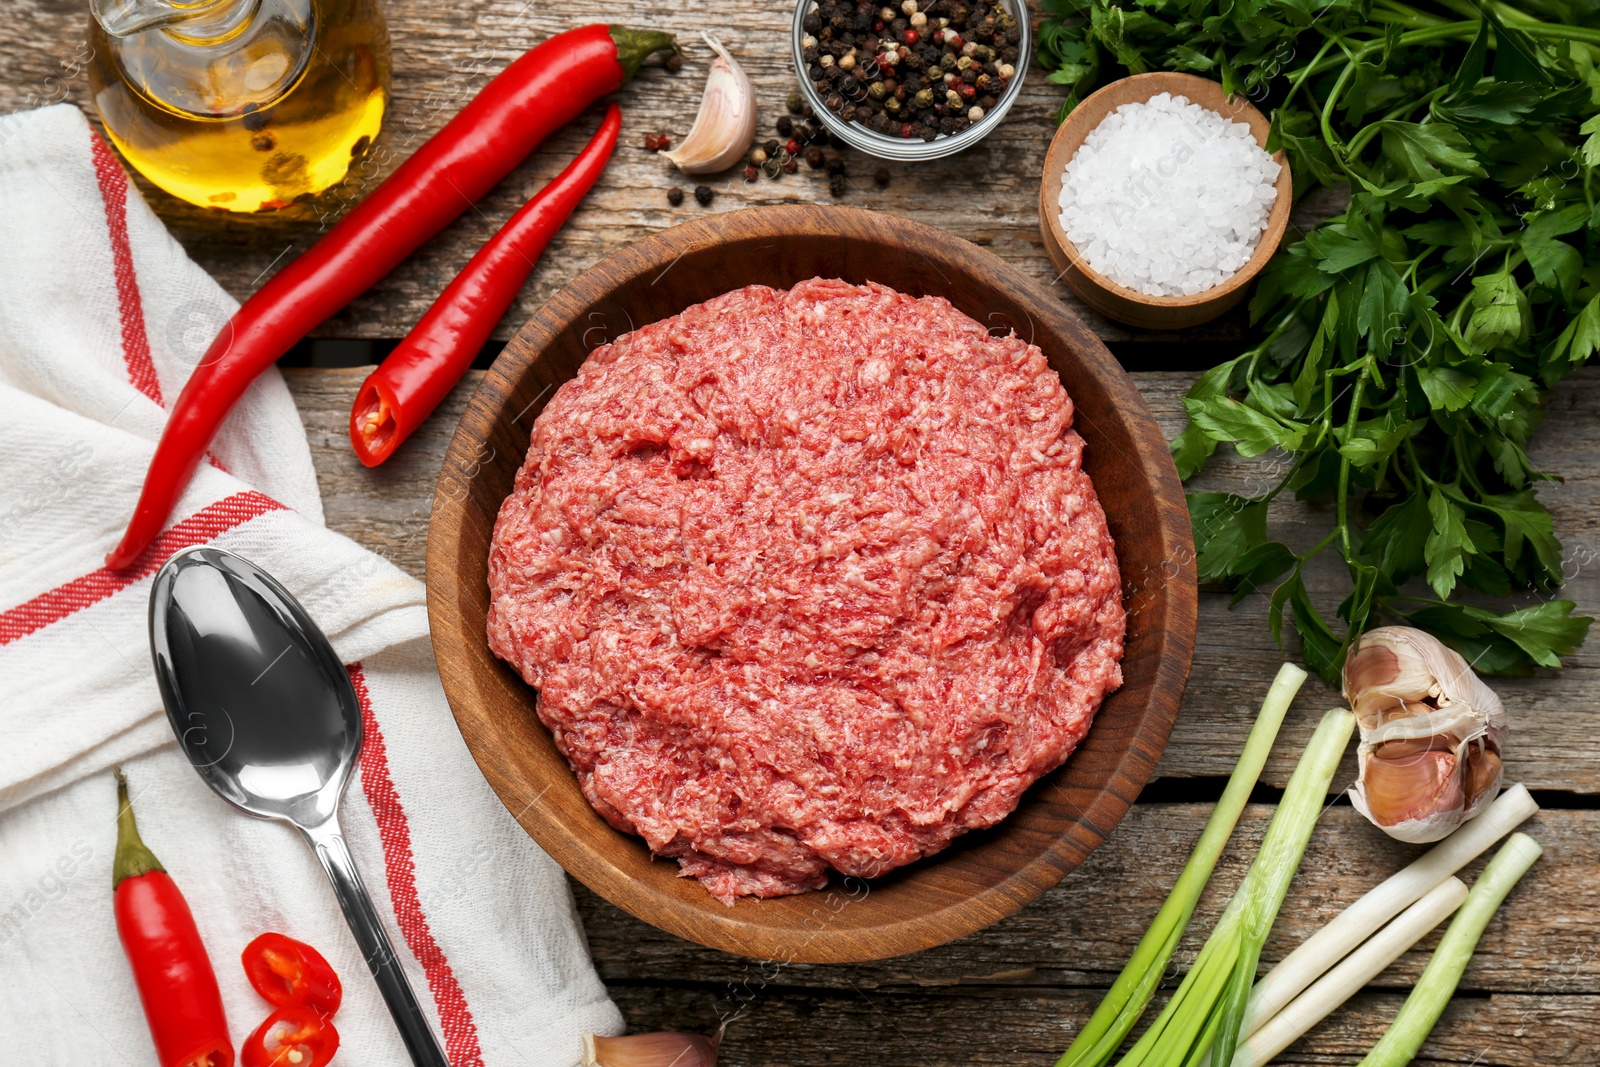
[{"x": 266, "y": 713}]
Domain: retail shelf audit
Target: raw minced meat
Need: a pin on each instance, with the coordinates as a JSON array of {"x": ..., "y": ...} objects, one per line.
[{"x": 807, "y": 580}]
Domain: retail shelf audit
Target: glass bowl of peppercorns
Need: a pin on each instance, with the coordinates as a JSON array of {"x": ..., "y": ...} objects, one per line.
[{"x": 911, "y": 79}]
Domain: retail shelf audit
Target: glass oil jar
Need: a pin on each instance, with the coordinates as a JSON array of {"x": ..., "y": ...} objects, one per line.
[{"x": 240, "y": 105}]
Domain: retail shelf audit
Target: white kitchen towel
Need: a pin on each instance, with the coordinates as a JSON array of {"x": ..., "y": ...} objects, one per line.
[{"x": 102, "y": 315}]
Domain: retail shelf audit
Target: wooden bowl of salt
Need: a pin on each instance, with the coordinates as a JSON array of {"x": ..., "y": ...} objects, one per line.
[{"x": 1100, "y": 292}]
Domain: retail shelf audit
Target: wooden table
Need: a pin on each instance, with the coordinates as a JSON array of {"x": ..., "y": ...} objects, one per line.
[{"x": 1013, "y": 994}]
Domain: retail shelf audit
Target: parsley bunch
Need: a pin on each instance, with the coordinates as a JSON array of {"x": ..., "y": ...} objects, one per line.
[{"x": 1404, "y": 348}]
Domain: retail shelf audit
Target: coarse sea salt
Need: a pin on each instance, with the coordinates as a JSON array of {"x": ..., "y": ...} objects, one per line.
[{"x": 1167, "y": 197}]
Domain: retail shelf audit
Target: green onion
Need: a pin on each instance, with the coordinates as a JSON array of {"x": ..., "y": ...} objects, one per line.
[
  {"x": 1206, "y": 1013},
  {"x": 1353, "y": 925},
  {"x": 1127, "y": 998},
  {"x": 1438, "y": 982},
  {"x": 1347, "y": 977}
]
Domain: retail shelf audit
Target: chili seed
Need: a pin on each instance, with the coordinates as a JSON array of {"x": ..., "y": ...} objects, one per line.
[
  {"x": 674, "y": 196},
  {"x": 702, "y": 195}
]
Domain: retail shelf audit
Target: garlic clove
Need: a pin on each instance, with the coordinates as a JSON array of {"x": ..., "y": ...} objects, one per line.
[
  {"x": 1398, "y": 664},
  {"x": 1412, "y": 783},
  {"x": 1378, "y": 680},
  {"x": 651, "y": 1050},
  {"x": 1484, "y": 769},
  {"x": 726, "y": 122}
]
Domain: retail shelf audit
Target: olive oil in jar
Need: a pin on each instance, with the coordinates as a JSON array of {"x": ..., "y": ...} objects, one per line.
[{"x": 242, "y": 105}]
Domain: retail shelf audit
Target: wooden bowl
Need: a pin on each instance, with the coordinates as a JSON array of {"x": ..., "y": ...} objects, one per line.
[
  {"x": 984, "y": 876},
  {"x": 1103, "y": 294}
]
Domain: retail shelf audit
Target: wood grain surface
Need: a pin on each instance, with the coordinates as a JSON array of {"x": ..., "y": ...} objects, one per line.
[
  {"x": 444, "y": 51},
  {"x": 1012, "y": 995},
  {"x": 981, "y": 877}
]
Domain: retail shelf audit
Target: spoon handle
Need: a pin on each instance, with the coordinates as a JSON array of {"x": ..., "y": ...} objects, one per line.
[{"x": 327, "y": 841}]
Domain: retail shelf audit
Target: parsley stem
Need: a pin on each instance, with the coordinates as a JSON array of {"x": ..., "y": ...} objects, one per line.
[
  {"x": 1371, "y": 129},
  {"x": 1344, "y": 464},
  {"x": 1319, "y": 546}
]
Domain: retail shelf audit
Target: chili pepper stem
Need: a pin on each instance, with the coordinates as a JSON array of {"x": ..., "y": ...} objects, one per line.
[
  {"x": 133, "y": 856},
  {"x": 634, "y": 46}
]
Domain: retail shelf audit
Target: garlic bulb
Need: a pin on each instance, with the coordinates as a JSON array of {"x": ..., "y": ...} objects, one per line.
[
  {"x": 1431, "y": 731},
  {"x": 726, "y": 124},
  {"x": 651, "y": 1050}
]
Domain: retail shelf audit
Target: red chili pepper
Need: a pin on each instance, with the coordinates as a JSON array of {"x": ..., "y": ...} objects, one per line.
[
  {"x": 540, "y": 92},
  {"x": 417, "y": 375},
  {"x": 292, "y": 1036},
  {"x": 176, "y": 983},
  {"x": 285, "y": 972}
]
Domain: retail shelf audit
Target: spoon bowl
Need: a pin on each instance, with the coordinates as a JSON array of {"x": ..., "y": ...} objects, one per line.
[
  {"x": 259, "y": 701},
  {"x": 268, "y": 716}
]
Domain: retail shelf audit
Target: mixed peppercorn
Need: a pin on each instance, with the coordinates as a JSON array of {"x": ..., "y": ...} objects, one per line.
[{"x": 917, "y": 71}]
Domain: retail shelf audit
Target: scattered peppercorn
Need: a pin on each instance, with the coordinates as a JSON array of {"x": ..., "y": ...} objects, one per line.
[
  {"x": 702, "y": 195},
  {"x": 675, "y": 62},
  {"x": 881, "y": 176},
  {"x": 785, "y": 126},
  {"x": 837, "y": 185},
  {"x": 796, "y": 103},
  {"x": 790, "y": 164},
  {"x": 815, "y": 159},
  {"x": 674, "y": 196},
  {"x": 751, "y": 173}
]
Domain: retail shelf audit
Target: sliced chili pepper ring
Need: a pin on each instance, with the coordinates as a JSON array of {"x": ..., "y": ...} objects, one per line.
[
  {"x": 292, "y": 1036},
  {"x": 286, "y": 972}
]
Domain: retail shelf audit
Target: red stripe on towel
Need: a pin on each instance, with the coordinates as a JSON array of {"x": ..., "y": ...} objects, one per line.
[
  {"x": 56, "y": 604},
  {"x": 460, "y": 1032},
  {"x": 135, "y": 342}
]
